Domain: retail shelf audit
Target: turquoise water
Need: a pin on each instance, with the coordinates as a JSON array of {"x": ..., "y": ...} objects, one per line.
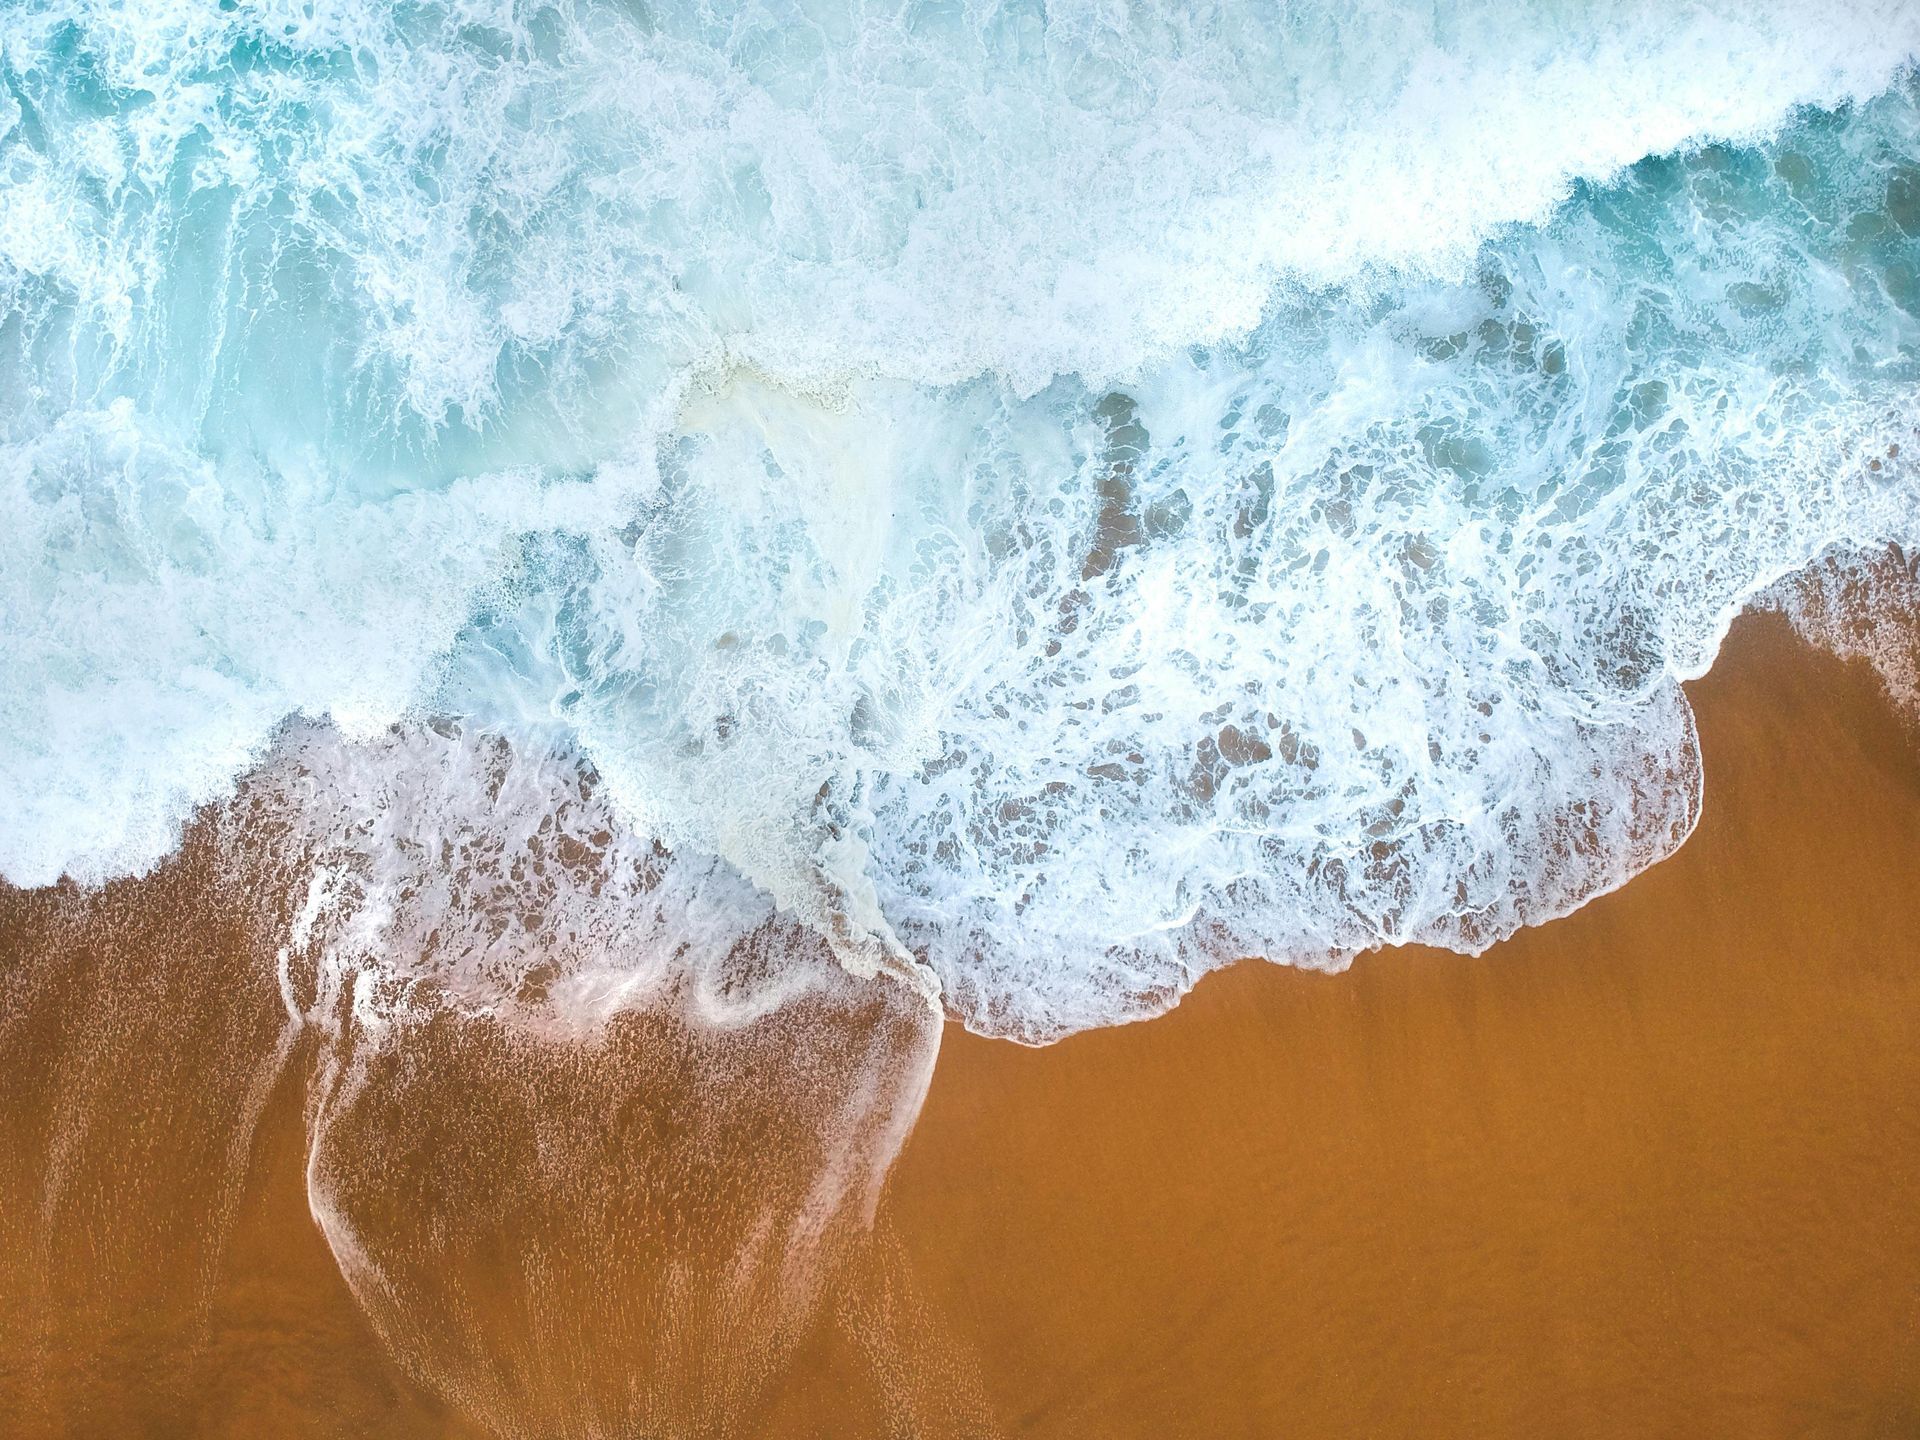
[{"x": 1048, "y": 497}]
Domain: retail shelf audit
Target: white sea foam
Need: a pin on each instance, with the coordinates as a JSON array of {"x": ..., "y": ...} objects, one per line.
[
  {"x": 1047, "y": 499},
  {"x": 1861, "y": 606},
  {"x": 437, "y": 866}
]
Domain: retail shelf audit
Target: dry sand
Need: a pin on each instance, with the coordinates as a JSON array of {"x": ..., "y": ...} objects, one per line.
[{"x": 1650, "y": 1170}]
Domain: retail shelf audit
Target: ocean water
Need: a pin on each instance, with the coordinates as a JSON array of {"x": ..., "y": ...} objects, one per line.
[{"x": 1031, "y": 500}]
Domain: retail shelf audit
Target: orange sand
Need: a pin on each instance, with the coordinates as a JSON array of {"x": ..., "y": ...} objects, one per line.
[{"x": 1650, "y": 1170}]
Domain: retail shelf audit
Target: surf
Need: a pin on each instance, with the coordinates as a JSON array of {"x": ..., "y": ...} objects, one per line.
[{"x": 1046, "y": 502}]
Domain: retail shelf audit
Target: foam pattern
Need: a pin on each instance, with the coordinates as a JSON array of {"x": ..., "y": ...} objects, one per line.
[{"x": 1044, "y": 499}]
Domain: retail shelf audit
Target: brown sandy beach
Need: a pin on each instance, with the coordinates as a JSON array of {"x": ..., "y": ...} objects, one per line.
[{"x": 1649, "y": 1170}]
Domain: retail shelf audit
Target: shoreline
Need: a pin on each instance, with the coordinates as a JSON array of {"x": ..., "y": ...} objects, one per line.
[{"x": 1645, "y": 1169}]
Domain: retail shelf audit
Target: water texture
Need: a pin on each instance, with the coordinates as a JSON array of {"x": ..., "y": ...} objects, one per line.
[{"x": 1037, "y": 500}]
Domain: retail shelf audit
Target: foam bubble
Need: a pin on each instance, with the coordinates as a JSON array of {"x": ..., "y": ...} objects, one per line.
[
  {"x": 1047, "y": 500},
  {"x": 165, "y": 613},
  {"x": 1861, "y": 605}
]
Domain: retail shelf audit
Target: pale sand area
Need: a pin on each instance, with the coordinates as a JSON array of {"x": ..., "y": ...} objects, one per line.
[{"x": 1650, "y": 1170}]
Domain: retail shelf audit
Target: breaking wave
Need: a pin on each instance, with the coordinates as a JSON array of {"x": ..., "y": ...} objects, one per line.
[{"x": 1036, "y": 500}]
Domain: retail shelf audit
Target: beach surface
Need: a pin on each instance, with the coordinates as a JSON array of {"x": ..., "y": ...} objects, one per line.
[{"x": 1647, "y": 1170}]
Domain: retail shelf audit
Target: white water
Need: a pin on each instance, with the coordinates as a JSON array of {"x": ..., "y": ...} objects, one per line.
[{"x": 1069, "y": 496}]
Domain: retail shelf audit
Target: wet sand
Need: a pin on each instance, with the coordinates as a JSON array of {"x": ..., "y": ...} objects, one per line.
[{"x": 1649, "y": 1170}]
